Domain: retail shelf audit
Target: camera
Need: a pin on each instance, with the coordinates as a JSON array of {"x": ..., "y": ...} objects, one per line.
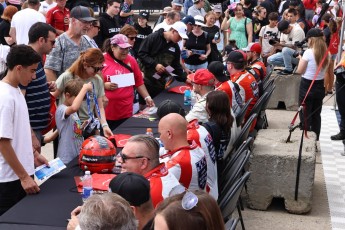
[
  {"x": 92, "y": 126},
  {"x": 300, "y": 44},
  {"x": 273, "y": 37}
]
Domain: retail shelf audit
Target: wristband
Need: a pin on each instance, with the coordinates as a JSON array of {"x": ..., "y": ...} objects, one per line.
[
  {"x": 104, "y": 125},
  {"x": 148, "y": 97}
]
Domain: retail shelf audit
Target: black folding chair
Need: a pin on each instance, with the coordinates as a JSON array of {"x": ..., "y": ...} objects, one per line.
[
  {"x": 230, "y": 201},
  {"x": 267, "y": 85},
  {"x": 262, "y": 122},
  {"x": 231, "y": 224},
  {"x": 241, "y": 138},
  {"x": 233, "y": 158},
  {"x": 231, "y": 174},
  {"x": 242, "y": 113},
  {"x": 268, "y": 76}
]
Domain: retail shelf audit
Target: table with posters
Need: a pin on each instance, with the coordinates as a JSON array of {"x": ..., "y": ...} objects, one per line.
[{"x": 51, "y": 208}]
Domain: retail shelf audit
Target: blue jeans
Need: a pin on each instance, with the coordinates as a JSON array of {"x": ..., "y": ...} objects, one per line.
[
  {"x": 283, "y": 58},
  {"x": 196, "y": 67}
]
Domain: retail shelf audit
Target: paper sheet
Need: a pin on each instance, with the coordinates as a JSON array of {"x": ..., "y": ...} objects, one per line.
[{"x": 123, "y": 80}]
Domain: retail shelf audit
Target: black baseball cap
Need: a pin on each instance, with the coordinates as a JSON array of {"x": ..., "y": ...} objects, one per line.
[
  {"x": 144, "y": 14},
  {"x": 133, "y": 187},
  {"x": 81, "y": 13},
  {"x": 314, "y": 32},
  {"x": 237, "y": 56},
  {"x": 217, "y": 69},
  {"x": 169, "y": 106}
]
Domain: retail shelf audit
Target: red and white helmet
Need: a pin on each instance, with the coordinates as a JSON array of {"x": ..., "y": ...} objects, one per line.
[{"x": 97, "y": 155}]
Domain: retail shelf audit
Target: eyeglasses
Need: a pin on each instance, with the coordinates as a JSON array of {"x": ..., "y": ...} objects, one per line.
[
  {"x": 97, "y": 69},
  {"x": 131, "y": 38},
  {"x": 124, "y": 157}
]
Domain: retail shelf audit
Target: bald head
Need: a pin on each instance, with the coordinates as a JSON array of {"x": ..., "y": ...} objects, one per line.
[{"x": 173, "y": 130}]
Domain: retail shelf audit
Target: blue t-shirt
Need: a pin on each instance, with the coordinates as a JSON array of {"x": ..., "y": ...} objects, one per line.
[{"x": 38, "y": 100}]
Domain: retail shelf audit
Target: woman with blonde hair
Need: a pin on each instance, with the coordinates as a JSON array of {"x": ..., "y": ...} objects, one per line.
[
  {"x": 5, "y": 25},
  {"x": 87, "y": 68},
  {"x": 214, "y": 34},
  {"x": 313, "y": 58}
]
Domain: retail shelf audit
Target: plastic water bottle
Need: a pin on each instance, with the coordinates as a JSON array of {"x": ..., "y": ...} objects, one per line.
[
  {"x": 216, "y": 36},
  {"x": 192, "y": 99},
  {"x": 187, "y": 97},
  {"x": 87, "y": 186},
  {"x": 149, "y": 132}
]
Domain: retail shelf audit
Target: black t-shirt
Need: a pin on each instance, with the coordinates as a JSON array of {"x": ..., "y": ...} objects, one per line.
[
  {"x": 211, "y": 32},
  {"x": 4, "y": 31},
  {"x": 326, "y": 32},
  {"x": 142, "y": 34},
  {"x": 197, "y": 44},
  {"x": 256, "y": 23}
]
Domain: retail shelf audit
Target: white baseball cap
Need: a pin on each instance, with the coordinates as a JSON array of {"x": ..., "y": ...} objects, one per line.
[
  {"x": 199, "y": 20},
  {"x": 181, "y": 28}
]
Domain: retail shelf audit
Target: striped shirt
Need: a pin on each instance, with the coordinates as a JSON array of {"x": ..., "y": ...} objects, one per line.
[{"x": 38, "y": 100}]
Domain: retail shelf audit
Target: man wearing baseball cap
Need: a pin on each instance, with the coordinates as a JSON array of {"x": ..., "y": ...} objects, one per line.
[
  {"x": 177, "y": 6},
  {"x": 290, "y": 34},
  {"x": 69, "y": 44},
  {"x": 255, "y": 65},
  {"x": 248, "y": 86},
  {"x": 159, "y": 50},
  {"x": 135, "y": 189},
  {"x": 203, "y": 82}
]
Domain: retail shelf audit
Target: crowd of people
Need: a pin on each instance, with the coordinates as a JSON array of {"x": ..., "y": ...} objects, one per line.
[{"x": 72, "y": 59}]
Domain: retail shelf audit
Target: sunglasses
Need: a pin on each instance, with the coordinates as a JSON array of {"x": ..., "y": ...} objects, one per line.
[
  {"x": 124, "y": 157},
  {"x": 131, "y": 38},
  {"x": 97, "y": 69}
]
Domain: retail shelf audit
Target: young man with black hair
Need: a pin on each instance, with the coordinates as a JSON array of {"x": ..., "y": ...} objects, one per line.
[
  {"x": 109, "y": 22},
  {"x": 17, "y": 160}
]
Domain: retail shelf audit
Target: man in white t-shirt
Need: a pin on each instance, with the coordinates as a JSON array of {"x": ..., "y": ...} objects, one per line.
[
  {"x": 289, "y": 35},
  {"x": 16, "y": 159},
  {"x": 23, "y": 20}
]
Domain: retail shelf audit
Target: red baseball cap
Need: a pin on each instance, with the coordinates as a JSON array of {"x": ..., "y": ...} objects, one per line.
[
  {"x": 253, "y": 47},
  {"x": 202, "y": 77}
]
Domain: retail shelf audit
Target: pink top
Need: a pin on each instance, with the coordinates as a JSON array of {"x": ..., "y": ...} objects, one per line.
[{"x": 120, "y": 104}]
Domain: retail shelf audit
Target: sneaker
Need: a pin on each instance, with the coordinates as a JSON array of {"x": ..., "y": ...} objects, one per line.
[
  {"x": 338, "y": 137},
  {"x": 285, "y": 72}
]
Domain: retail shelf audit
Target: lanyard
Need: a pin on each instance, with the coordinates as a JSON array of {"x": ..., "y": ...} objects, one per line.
[{"x": 95, "y": 101}]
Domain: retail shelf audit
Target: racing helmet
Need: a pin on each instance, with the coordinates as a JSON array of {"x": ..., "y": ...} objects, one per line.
[{"x": 97, "y": 155}]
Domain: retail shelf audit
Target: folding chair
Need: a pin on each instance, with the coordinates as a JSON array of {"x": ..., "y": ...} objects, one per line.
[
  {"x": 231, "y": 174},
  {"x": 242, "y": 113},
  {"x": 231, "y": 224},
  {"x": 241, "y": 138},
  {"x": 230, "y": 201},
  {"x": 256, "y": 110},
  {"x": 262, "y": 122}
]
